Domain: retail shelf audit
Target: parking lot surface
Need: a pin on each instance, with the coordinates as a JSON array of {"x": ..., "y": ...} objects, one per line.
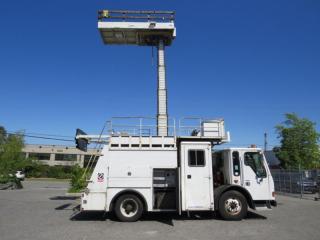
[{"x": 42, "y": 211}]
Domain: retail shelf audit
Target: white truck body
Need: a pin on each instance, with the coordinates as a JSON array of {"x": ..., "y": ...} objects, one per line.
[{"x": 177, "y": 174}]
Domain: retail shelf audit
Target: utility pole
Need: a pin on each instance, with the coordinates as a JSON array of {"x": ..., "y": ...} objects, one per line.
[{"x": 265, "y": 141}]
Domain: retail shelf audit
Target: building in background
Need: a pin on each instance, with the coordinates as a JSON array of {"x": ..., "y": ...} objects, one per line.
[{"x": 53, "y": 155}]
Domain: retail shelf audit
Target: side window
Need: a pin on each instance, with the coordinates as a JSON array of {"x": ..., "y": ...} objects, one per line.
[
  {"x": 196, "y": 158},
  {"x": 255, "y": 161},
  {"x": 236, "y": 163}
]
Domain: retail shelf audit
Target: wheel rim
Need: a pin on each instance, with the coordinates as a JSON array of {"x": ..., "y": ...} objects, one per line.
[
  {"x": 129, "y": 207},
  {"x": 233, "y": 206}
]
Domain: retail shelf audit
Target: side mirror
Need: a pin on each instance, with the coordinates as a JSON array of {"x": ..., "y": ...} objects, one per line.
[
  {"x": 259, "y": 179},
  {"x": 81, "y": 144}
]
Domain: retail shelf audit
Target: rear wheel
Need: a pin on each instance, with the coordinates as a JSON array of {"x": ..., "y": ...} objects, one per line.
[
  {"x": 128, "y": 208},
  {"x": 233, "y": 206}
]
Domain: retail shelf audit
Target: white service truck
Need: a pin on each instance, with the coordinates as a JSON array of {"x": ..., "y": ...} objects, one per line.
[{"x": 137, "y": 173}]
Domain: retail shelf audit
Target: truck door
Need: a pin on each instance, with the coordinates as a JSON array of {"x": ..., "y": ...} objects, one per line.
[
  {"x": 196, "y": 176},
  {"x": 255, "y": 175}
]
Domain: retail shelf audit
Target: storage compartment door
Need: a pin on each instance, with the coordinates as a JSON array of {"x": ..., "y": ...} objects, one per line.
[{"x": 197, "y": 177}]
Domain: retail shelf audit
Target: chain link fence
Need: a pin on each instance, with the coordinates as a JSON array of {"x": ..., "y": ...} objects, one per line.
[{"x": 297, "y": 183}]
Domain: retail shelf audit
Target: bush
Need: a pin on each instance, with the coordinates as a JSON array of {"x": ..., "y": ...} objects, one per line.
[
  {"x": 78, "y": 181},
  {"x": 74, "y": 173},
  {"x": 60, "y": 172},
  {"x": 11, "y": 180},
  {"x": 36, "y": 170},
  {"x": 45, "y": 171},
  {"x": 4, "y": 179}
]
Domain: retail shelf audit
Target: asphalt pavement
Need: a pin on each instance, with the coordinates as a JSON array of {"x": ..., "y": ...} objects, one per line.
[{"x": 42, "y": 211}]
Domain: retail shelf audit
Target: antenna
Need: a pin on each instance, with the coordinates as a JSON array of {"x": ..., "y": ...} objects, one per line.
[{"x": 143, "y": 28}]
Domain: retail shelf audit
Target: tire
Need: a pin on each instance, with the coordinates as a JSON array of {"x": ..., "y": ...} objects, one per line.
[
  {"x": 128, "y": 208},
  {"x": 233, "y": 206}
]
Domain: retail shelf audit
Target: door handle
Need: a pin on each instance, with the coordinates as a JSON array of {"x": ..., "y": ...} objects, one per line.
[{"x": 189, "y": 176}]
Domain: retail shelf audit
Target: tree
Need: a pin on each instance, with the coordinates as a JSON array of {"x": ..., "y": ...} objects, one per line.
[
  {"x": 3, "y": 134},
  {"x": 299, "y": 143},
  {"x": 11, "y": 158}
]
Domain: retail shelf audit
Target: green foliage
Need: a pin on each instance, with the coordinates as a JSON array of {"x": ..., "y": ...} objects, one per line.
[
  {"x": 3, "y": 134},
  {"x": 74, "y": 173},
  {"x": 78, "y": 181},
  {"x": 5, "y": 179},
  {"x": 11, "y": 158},
  {"x": 37, "y": 170},
  {"x": 299, "y": 143},
  {"x": 12, "y": 180}
]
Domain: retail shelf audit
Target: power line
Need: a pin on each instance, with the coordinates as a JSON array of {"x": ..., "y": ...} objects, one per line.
[
  {"x": 41, "y": 137},
  {"x": 50, "y": 135},
  {"x": 71, "y": 138},
  {"x": 40, "y": 134}
]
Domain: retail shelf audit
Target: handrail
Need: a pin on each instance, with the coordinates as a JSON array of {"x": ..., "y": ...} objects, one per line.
[
  {"x": 137, "y": 126},
  {"x": 147, "y": 126},
  {"x": 136, "y": 15}
]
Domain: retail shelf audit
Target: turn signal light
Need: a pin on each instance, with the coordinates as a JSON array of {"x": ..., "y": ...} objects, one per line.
[{"x": 273, "y": 194}]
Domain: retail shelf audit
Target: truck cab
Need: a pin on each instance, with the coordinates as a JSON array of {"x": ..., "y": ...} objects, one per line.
[
  {"x": 246, "y": 168},
  {"x": 228, "y": 181}
]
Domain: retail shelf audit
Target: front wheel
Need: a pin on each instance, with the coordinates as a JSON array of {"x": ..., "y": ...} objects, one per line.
[
  {"x": 128, "y": 208},
  {"x": 233, "y": 206}
]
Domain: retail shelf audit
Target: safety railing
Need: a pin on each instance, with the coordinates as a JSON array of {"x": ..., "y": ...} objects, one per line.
[
  {"x": 159, "y": 16},
  {"x": 138, "y": 126},
  {"x": 187, "y": 126}
]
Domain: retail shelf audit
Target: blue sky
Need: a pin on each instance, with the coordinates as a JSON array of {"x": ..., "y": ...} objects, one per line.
[{"x": 246, "y": 61}]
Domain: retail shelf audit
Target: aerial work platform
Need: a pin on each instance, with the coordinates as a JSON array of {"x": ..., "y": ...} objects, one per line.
[{"x": 143, "y": 28}]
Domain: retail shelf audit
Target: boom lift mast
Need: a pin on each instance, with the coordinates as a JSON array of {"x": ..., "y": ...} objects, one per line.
[{"x": 143, "y": 28}]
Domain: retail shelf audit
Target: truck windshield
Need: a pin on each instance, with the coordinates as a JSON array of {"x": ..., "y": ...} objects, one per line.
[{"x": 255, "y": 161}]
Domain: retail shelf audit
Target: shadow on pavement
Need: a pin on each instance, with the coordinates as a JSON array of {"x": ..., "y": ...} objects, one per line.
[
  {"x": 165, "y": 218},
  {"x": 90, "y": 216},
  {"x": 63, "y": 206},
  {"x": 253, "y": 215},
  {"x": 64, "y": 198}
]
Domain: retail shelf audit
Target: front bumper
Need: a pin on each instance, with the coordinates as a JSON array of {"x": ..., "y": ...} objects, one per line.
[{"x": 273, "y": 203}]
